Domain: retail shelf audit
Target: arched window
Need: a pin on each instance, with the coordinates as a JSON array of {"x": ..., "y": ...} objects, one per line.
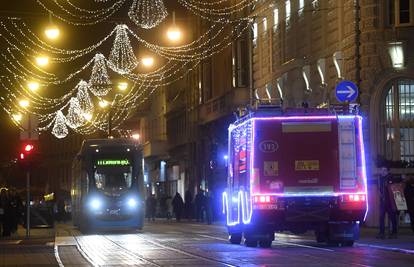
[{"x": 398, "y": 120}]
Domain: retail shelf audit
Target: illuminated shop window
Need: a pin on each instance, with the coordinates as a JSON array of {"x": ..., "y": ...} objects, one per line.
[{"x": 398, "y": 120}]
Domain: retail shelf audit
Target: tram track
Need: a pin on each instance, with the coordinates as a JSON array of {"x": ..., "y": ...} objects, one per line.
[{"x": 171, "y": 247}]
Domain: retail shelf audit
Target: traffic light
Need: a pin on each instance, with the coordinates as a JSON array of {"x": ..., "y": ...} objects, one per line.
[{"x": 27, "y": 155}]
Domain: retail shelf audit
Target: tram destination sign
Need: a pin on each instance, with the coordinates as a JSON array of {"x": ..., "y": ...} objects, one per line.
[{"x": 112, "y": 162}]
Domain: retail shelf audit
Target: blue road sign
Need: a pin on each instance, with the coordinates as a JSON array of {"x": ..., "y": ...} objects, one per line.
[{"x": 346, "y": 91}]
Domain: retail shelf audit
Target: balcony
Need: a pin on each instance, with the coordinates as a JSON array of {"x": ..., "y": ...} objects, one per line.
[{"x": 224, "y": 105}]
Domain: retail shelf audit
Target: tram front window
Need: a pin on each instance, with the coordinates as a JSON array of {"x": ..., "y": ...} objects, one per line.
[{"x": 113, "y": 175}]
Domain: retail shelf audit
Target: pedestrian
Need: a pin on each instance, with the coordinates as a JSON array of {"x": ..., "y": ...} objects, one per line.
[
  {"x": 178, "y": 205},
  {"x": 168, "y": 203},
  {"x": 188, "y": 204},
  {"x": 199, "y": 203},
  {"x": 14, "y": 211},
  {"x": 151, "y": 205},
  {"x": 2, "y": 208},
  {"x": 409, "y": 197},
  {"x": 6, "y": 209},
  {"x": 61, "y": 209},
  {"x": 209, "y": 207},
  {"x": 386, "y": 207}
]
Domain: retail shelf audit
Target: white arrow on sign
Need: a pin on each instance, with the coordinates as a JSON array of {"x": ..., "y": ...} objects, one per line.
[{"x": 350, "y": 91}]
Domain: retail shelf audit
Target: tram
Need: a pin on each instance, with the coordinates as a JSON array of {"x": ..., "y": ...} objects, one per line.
[
  {"x": 296, "y": 170},
  {"x": 108, "y": 185}
]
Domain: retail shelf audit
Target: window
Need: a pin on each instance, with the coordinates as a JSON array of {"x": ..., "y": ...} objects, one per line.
[
  {"x": 400, "y": 12},
  {"x": 264, "y": 21},
  {"x": 398, "y": 120},
  {"x": 255, "y": 33},
  {"x": 275, "y": 17},
  {"x": 301, "y": 6},
  {"x": 287, "y": 10},
  {"x": 240, "y": 62}
]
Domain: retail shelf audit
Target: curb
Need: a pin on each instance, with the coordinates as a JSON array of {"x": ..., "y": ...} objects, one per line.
[{"x": 400, "y": 250}]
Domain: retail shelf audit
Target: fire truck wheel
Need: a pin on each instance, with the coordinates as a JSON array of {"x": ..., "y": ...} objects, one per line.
[
  {"x": 251, "y": 243},
  {"x": 265, "y": 243},
  {"x": 235, "y": 238}
]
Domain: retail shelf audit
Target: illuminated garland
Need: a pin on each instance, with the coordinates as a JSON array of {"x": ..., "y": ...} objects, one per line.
[
  {"x": 99, "y": 83},
  {"x": 122, "y": 58},
  {"x": 147, "y": 13},
  {"x": 60, "y": 130},
  {"x": 180, "y": 61},
  {"x": 75, "y": 117}
]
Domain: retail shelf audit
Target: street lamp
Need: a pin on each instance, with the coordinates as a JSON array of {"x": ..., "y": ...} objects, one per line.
[
  {"x": 24, "y": 103},
  {"x": 87, "y": 116},
  {"x": 42, "y": 61},
  {"x": 122, "y": 86},
  {"x": 33, "y": 86},
  {"x": 17, "y": 117},
  {"x": 103, "y": 103},
  {"x": 174, "y": 33},
  {"x": 52, "y": 32},
  {"x": 135, "y": 136},
  {"x": 148, "y": 61}
]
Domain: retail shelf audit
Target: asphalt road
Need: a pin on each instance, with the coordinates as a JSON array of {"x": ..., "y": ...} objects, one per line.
[{"x": 191, "y": 244}]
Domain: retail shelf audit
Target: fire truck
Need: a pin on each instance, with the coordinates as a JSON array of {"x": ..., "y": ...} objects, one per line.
[{"x": 296, "y": 170}]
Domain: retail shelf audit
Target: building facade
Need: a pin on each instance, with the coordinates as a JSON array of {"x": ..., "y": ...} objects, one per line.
[{"x": 302, "y": 49}]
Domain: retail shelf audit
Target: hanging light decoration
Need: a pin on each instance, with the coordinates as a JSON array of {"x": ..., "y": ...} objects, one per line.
[
  {"x": 147, "y": 13},
  {"x": 74, "y": 118},
  {"x": 85, "y": 101},
  {"x": 60, "y": 130},
  {"x": 122, "y": 58},
  {"x": 99, "y": 83}
]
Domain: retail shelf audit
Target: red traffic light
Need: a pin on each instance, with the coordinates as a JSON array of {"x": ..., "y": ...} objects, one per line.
[{"x": 28, "y": 147}]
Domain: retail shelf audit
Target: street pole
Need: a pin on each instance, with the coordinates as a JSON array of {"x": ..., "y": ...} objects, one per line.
[
  {"x": 110, "y": 122},
  {"x": 28, "y": 203}
]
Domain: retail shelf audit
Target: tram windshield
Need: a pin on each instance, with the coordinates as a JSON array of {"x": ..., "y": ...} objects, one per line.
[{"x": 113, "y": 174}]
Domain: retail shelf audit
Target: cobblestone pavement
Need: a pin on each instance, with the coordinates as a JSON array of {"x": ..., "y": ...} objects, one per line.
[{"x": 190, "y": 244}]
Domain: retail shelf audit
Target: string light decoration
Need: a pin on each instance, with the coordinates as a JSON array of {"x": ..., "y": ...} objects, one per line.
[
  {"x": 85, "y": 101},
  {"x": 147, "y": 13},
  {"x": 122, "y": 57},
  {"x": 179, "y": 61},
  {"x": 74, "y": 118},
  {"x": 60, "y": 130},
  {"x": 99, "y": 83}
]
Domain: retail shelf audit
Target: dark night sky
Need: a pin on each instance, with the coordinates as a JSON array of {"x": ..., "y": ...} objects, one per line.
[{"x": 73, "y": 37}]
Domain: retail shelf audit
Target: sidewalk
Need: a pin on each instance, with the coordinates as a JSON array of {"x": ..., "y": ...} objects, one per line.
[
  {"x": 404, "y": 243},
  {"x": 38, "y": 250}
]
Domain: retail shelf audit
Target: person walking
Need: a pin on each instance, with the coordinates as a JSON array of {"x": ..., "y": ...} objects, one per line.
[
  {"x": 14, "y": 211},
  {"x": 409, "y": 197},
  {"x": 209, "y": 207},
  {"x": 188, "y": 204},
  {"x": 2, "y": 209},
  {"x": 178, "y": 205},
  {"x": 199, "y": 203},
  {"x": 151, "y": 205},
  {"x": 386, "y": 207},
  {"x": 168, "y": 203},
  {"x": 6, "y": 208}
]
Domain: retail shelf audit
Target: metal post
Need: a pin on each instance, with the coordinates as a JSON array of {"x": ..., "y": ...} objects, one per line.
[
  {"x": 28, "y": 204},
  {"x": 110, "y": 122}
]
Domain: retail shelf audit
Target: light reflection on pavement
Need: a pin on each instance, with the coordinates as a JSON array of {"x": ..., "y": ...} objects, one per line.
[{"x": 187, "y": 244}]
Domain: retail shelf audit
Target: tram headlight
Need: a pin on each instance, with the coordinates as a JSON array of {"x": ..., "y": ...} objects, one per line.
[
  {"x": 95, "y": 203},
  {"x": 132, "y": 203}
]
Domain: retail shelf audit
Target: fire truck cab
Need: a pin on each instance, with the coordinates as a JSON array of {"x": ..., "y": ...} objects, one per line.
[{"x": 295, "y": 170}]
